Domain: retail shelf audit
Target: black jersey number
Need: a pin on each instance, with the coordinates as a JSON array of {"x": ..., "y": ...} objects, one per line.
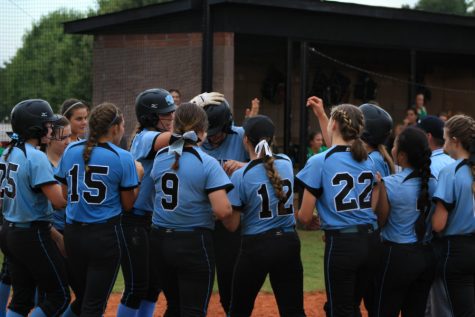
[
  {"x": 266, "y": 213},
  {"x": 364, "y": 199},
  {"x": 10, "y": 187},
  {"x": 98, "y": 186},
  {"x": 170, "y": 189}
]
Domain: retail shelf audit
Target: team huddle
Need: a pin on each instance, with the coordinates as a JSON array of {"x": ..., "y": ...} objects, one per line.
[{"x": 196, "y": 196}]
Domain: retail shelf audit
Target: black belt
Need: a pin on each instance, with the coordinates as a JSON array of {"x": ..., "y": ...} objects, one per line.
[
  {"x": 171, "y": 230},
  {"x": 366, "y": 228},
  {"x": 26, "y": 225},
  {"x": 274, "y": 231},
  {"x": 113, "y": 220}
]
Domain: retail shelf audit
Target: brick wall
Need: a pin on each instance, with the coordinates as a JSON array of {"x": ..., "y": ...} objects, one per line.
[{"x": 125, "y": 65}]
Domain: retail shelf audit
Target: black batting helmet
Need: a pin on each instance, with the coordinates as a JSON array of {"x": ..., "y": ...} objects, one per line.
[
  {"x": 29, "y": 118},
  {"x": 152, "y": 102},
  {"x": 378, "y": 124},
  {"x": 220, "y": 118}
]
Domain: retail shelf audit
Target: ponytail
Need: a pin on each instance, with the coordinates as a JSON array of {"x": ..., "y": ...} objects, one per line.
[
  {"x": 175, "y": 165},
  {"x": 90, "y": 144},
  {"x": 423, "y": 202},
  {"x": 274, "y": 177},
  {"x": 387, "y": 158},
  {"x": 358, "y": 150}
]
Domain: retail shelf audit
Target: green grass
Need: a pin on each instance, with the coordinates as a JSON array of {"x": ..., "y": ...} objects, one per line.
[{"x": 312, "y": 259}]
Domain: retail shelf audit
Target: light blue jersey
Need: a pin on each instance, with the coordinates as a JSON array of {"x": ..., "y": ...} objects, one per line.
[
  {"x": 439, "y": 160},
  {"x": 21, "y": 178},
  {"x": 232, "y": 147},
  {"x": 59, "y": 215},
  {"x": 181, "y": 199},
  {"x": 380, "y": 164},
  {"x": 142, "y": 150},
  {"x": 342, "y": 187},
  {"x": 254, "y": 195},
  {"x": 454, "y": 190},
  {"x": 94, "y": 197},
  {"x": 403, "y": 192}
]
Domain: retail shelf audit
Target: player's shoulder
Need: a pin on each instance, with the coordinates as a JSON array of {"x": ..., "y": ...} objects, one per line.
[
  {"x": 33, "y": 154},
  {"x": 123, "y": 154},
  {"x": 451, "y": 169},
  {"x": 238, "y": 130}
]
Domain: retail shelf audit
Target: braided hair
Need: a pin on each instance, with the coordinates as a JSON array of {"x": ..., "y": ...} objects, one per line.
[
  {"x": 101, "y": 119},
  {"x": 188, "y": 117},
  {"x": 413, "y": 142},
  {"x": 351, "y": 124}
]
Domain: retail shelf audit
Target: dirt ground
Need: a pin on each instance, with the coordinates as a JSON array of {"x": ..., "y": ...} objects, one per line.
[{"x": 265, "y": 306}]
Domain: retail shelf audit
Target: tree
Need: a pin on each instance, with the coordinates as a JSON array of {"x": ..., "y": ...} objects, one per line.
[
  {"x": 50, "y": 65},
  {"x": 444, "y": 6},
  {"x": 108, "y": 6}
]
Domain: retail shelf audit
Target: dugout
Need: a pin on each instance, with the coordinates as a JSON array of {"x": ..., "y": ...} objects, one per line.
[{"x": 283, "y": 51}]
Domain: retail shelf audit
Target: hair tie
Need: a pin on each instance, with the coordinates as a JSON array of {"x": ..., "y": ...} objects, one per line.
[
  {"x": 177, "y": 141},
  {"x": 14, "y": 136},
  {"x": 72, "y": 106},
  {"x": 263, "y": 145}
]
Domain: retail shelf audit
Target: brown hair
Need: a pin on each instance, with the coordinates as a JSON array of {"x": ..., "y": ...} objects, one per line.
[
  {"x": 414, "y": 143},
  {"x": 188, "y": 117},
  {"x": 101, "y": 119},
  {"x": 70, "y": 105},
  {"x": 462, "y": 127},
  {"x": 384, "y": 152},
  {"x": 351, "y": 124},
  {"x": 271, "y": 173}
]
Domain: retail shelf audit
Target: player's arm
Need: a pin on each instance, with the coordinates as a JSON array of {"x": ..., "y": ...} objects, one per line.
[
  {"x": 231, "y": 166},
  {"x": 53, "y": 192},
  {"x": 57, "y": 237},
  {"x": 232, "y": 222},
  {"x": 439, "y": 219},
  {"x": 163, "y": 140},
  {"x": 127, "y": 198},
  {"x": 306, "y": 209},
  {"x": 316, "y": 104},
  {"x": 381, "y": 207},
  {"x": 220, "y": 204}
]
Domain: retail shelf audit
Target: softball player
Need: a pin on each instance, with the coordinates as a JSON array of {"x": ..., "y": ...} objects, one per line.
[
  {"x": 263, "y": 198},
  {"x": 224, "y": 143},
  {"x": 438, "y": 303},
  {"x": 98, "y": 179},
  {"x": 454, "y": 216},
  {"x": 402, "y": 203},
  {"x": 190, "y": 188},
  {"x": 339, "y": 183},
  {"x": 154, "y": 109},
  {"x": 76, "y": 111},
  {"x": 27, "y": 183},
  {"x": 54, "y": 151},
  {"x": 378, "y": 125}
]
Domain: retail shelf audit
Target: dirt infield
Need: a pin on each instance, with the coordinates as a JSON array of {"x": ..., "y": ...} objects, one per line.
[{"x": 265, "y": 306}]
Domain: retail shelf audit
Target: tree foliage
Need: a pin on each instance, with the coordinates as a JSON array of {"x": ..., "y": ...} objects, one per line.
[
  {"x": 50, "y": 65},
  {"x": 108, "y": 6},
  {"x": 445, "y": 6}
]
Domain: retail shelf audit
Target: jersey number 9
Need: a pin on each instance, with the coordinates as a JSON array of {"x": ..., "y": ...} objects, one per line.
[{"x": 170, "y": 189}]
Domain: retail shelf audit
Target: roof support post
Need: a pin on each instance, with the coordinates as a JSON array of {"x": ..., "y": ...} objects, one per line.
[
  {"x": 412, "y": 78},
  {"x": 207, "y": 49},
  {"x": 303, "y": 103},
  {"x": 288, "y": 98}
]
